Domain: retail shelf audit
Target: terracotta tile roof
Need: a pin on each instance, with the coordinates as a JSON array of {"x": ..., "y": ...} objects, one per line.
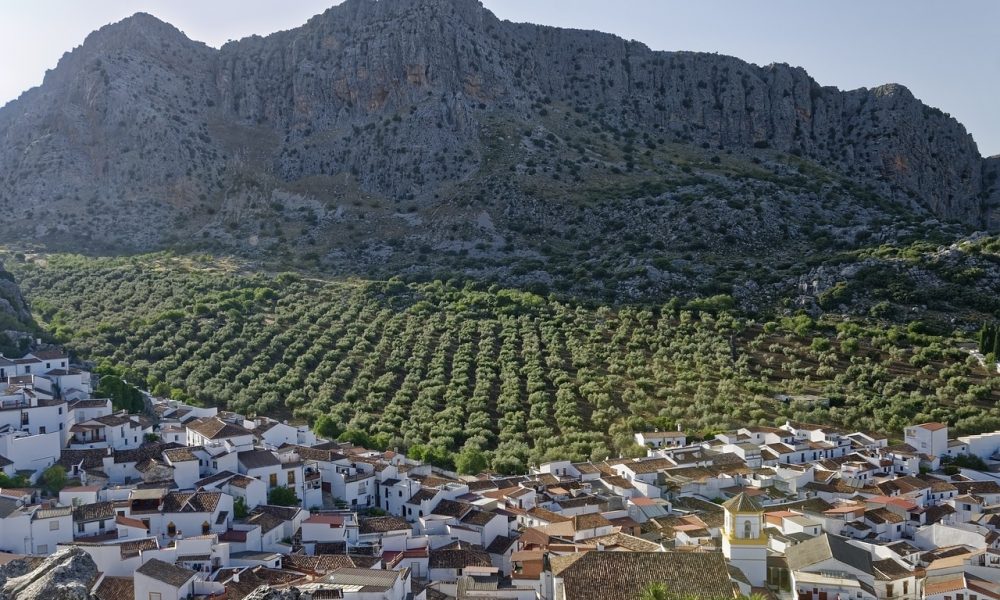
[
  {"x": 115, "y": 588},
  {"x": 137, "y": 455},
  {"x": 944, "y": 583},
  {"x": 90, "y": 459},
  {"x": 285, "y": 513},
  {"x": 185, "y": 454},
  {"x": 129, "y": 522},
  {"x": 500, "y": 544},
  {"x": 422, "y": 495},
  {"x": 742, "y": 503},
  {"x": 882, "y": 515},
  {"x": 175, "y": 502},
  {"x": 94, "y": 512},
  {"x": 547, "y": 515},
  {"x": 649, "y": 465},
  {"x": 316, "y": 564},
  {"x": 266, "y": 521},
  {"x": 215, "y": 428},
  {"x": 888, "y": 570},
  {"x": 624, "y": 575},
  {"x": 977, "y": 487},
  {"x": 255, "y": 459},
  {"x": 165, "y": 572},
  {"x": 459, "y": 557},
  {"x": 826, "y": 546},
  {"x": 450, "y": 508},
  {"x": 590, "y": 521},
  {"x": 625, "y": 541},
  {"x": 133, "y": 547},
  {"x": 478, "y": 517},
  {"x": 383, "y": 524}
]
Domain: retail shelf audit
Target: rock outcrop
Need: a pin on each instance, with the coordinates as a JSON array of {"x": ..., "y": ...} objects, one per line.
[
  {"x": 65, "y": 575},
  {"x": 12, "y": 302}
]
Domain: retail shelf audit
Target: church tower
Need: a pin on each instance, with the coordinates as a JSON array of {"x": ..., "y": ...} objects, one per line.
[{"x": 744, "y": 543}]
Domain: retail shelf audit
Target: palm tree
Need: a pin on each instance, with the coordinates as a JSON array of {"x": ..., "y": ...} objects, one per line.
[{"x": 655, "y": 591}]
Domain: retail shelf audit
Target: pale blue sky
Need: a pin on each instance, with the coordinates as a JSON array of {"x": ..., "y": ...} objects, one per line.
[{"x": 946, "y": 52}]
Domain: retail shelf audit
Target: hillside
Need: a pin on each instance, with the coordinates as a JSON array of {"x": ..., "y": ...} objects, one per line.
[
  {"x": 427, "y": 138},
  {"x": 447, "y": 367}
]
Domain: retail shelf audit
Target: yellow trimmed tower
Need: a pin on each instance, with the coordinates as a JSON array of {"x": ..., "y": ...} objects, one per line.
[{"x": 743, "y": 541}]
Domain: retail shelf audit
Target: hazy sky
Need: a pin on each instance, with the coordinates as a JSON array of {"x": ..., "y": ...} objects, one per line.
[{"x": 946, "y": 52}]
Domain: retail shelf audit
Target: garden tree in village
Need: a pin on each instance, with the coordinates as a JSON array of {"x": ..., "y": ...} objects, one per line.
[
  {"x": 282, "y": 496},
  {"x": 54, "y": 479}
]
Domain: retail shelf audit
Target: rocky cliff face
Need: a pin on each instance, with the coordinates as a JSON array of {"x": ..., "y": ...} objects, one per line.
[
  {"x": 392, "y": 125},
  {"x": 12, "y": 302},
  {"x": 65, "y": 575}
]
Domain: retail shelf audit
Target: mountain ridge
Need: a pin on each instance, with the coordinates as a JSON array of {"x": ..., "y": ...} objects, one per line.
[{"x": 381, "y": 130}]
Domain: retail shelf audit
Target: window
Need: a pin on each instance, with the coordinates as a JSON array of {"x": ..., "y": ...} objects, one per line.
[
  {"x": 291, "y": 478},
  {"x": 41, "y": 429},
  {"x": 906, "y": 588},
  {"x": 273, "y": 479},
  {"x": 60, "y": 410},
  {"x": 171, "y": 529},
  {"x": 959, "y": 596},
  {"x": 155, "y": 596},
  {"x": 747, "y": 529},
  {"x": 24, "y": 418},
  {"x": 53, "y": 525},
  {"x": 889, "y": 591},
  {"x": 205, "y": 528},
  {"x": 42, "y": 549},
  {"x": 79, "y": 527}
]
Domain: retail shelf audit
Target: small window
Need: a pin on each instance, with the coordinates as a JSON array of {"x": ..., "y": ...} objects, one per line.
[
  {"x": 273, "y": 479},
  {"x": 53, "y": 525},
  {"x": 43, "y": 549},
  {"x": 79, "y": 527},
  {"x": 291, "y": 478},
  {"x": 155, "y": 596},
  {"x": 171, "y": 529}
]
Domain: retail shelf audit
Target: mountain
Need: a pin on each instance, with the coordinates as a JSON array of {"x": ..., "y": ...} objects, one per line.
[{"x": 429, "y": 138}]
